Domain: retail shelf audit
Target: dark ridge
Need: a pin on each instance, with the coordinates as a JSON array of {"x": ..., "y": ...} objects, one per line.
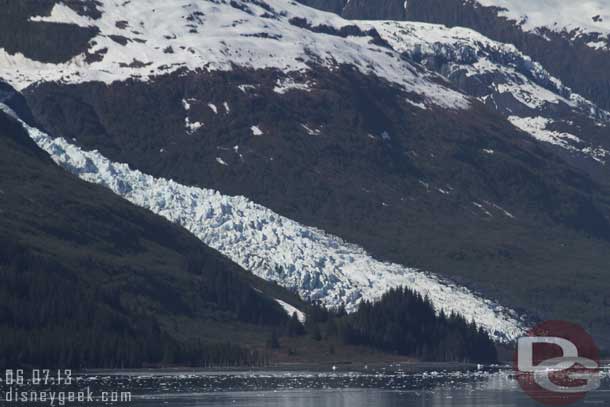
[
  {"x": 87, "y": 8},
  {"x": 44, "y": 42},
  {"x": 13, "y": 99},
  {"x": 345, "y": 31}
]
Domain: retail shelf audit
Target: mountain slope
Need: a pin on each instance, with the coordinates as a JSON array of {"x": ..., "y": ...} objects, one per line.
[
  {"x": 458, "y": 210},
  {"x": 571, "y": 41},
  {"x": 513, "y": 85},
  {"x": 90, "y": 280},
  {"x": 339, "y": 131},
  {"x": 136, "y": 40},
  {"x": 321, "y": 267}
]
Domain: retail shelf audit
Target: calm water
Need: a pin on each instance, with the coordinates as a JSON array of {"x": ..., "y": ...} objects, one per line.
[{"x": 382, "y": 387}]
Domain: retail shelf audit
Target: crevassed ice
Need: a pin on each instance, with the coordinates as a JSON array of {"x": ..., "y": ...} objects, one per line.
[
  {"x": 318, "y": 265},
  {"x": 468, "y": 52}
]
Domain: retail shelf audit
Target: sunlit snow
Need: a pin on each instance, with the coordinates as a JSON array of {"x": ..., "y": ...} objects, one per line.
[{"x": 218, "y": 35}]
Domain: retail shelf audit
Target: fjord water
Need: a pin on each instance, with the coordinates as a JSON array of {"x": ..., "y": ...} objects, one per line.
[
  {"x": 365, "y": 398},
  {"x": 371, "y": 388}
]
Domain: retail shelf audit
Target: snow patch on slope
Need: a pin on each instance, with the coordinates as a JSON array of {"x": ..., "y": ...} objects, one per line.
[
  {"x": 290, "y": 310},
  {"x": 318, "y": 265},
  {"x": 160, "y": 37},
  {"x": 538, "y": 127},
  {"x": 284, "y": 86},
  {"x": 63, "y": 14}
]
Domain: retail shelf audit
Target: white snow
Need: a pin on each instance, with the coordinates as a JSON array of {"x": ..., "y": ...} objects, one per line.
[
  {"x": 318, "y": 265},
  {"x": 504, "y": 211},
  {"x": 289, "y": 84},
  {"x": 416, "y": 104},
  {"x": 310, "y": 131},
  {"x": 570, "y": 16},
  {"x": 64, "y": 14},
  {"x": 538, "y": 128},
  {"x": 213, "y": 35},
  {"x": 221, "y": 161},
  {"x": 469, "y": 53},
  {"x": 433, "y": 39},
  {"x": 483, "y": 209},
  {"x": 192, "y": 127},
  {"x": 186, "y": 103},
  {"x": 290, "y": 310},
  {"x": 256, "y": 131},
  {"x": 246, "y": 87}
]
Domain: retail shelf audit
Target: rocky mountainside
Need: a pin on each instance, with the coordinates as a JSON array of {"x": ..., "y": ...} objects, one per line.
[
  {"x": 338, "y": 158},
  {"x": 565, "y": 105}
]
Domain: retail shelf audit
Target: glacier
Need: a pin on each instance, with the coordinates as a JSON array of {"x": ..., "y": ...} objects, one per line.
[{"x": 319, "y": 266}]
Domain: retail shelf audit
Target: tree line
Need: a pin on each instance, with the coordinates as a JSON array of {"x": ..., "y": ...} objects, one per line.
[
  {"x": 52, "y": 317},
  {"x": 404, "y": 323}
]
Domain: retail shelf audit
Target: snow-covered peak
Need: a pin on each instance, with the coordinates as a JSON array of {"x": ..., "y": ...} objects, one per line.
[
  {"x": 144, "y": 39},
  {"x": 572, "y": 17}
]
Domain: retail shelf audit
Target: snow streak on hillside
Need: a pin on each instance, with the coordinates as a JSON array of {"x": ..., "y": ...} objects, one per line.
[
  {"x": 320, "y": 266},
  {"x": 143, "y": 39},
  {"x": 502, "y": 77}
]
